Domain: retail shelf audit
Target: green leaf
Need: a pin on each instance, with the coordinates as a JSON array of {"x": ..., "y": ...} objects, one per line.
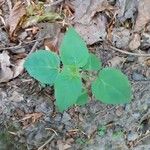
[
  {"x": 73, "y": 50},
  {"x": 68, "y": 88},
  {"x": 82, "y": 99},
  {"x": 93, "y": 64},
  {"x": 112, "y": 87},
  {"x": 43, "y": 66}
]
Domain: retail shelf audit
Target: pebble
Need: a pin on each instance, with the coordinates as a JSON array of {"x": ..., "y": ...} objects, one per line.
[
  {"x": 136, "y": 115},
  {"x": 145, "y": 41},
  {"x": 44, "y": 108},
  {"x": 65, "y": 118},
  {"x": 137, "y": 77},
  {"x": 131, "y": 59},
  {"x": 135, "y": 42},
  {"x": 119, "y": 111},
  {"x": 121, "y": 37},
  {"x": 58, "y": 117},
  {"x": 132, "y": 136}
]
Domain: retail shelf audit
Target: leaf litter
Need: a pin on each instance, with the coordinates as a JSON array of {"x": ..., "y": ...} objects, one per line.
[
  {"x": 8, "y": 70},
  {"x": 92, "y": 19},
  {"x": 15, "y": 18}
]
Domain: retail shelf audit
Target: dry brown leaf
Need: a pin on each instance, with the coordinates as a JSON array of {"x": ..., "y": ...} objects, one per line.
[
  {"x": 8, "y": 71},
  {"x": 143, "y": 15},
  {"x": 18, "y": 68},
  {"x": 5, "y": 72},
  {"x": 89, "y": 22},
  {"x": 50, "y": 44},
  {"x": 15, "y": 18},
  {"x": 5, "y": 59},
  {"x": 94, "y": 32}
]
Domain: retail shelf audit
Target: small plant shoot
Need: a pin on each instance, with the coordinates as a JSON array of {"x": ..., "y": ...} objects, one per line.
[{"x": 111, "y": 86}]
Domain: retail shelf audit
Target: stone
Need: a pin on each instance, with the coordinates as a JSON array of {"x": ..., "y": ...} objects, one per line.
[
  {"x": 132, "y": 136},
  {"x": 65, "y": 118},
  {"x": 135, "y": 42},
  {"x": 121, "y": 37}
]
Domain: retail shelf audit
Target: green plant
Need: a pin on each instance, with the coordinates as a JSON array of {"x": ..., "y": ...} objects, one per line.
[
  {"x": 75, "y": 65},
  {"x": 102, "y": 130}
]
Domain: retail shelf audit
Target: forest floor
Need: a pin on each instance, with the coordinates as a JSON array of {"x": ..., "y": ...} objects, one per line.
[{"x": 117, "y": 31}]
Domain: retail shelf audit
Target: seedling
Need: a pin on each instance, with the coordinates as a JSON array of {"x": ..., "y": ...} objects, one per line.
[{"x": 74, "y": 65}]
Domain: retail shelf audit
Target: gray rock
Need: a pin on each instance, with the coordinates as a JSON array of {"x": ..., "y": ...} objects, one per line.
[
  {"x": 58, "y": 117},
  {"x": 145, "y": 41},
  {"x": 121, "y": 37},
  {"x": 137, "y": 76},
  {"x": 66, "y": 117},
  {"x": 132, "y": 136},
  {"x": 135, "y": 42},
  {"x": 44, "y": 107},
  {"x": 131, "y": 58}
]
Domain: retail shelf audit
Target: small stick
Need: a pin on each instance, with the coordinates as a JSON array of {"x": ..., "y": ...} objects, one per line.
[
  {"x": 48, "y": 141},
  {"x": 124, "y": 52},
  {"x": 52, "y": 130},
  {"x": 34, "y": 47}
]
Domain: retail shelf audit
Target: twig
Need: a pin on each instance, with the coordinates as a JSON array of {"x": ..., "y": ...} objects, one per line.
[
  {"x": 19, "y": 45},
  {"x": 52, "y": 130},
  {"x": 13, "y": 133},
  {"x": 49, "y": 140},
  {"x": 108, "y": 47},
  {"x": 34, "y": 47}
]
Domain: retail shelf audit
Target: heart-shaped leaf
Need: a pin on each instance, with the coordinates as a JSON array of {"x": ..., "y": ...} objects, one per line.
[
  {"x": 112, "y": 87},
  {"x": 93, "y": 63},
  {"x": 73, "y": 50},
  {"x": 68, "y": 88},
  {"x": 43, "y": 66}
]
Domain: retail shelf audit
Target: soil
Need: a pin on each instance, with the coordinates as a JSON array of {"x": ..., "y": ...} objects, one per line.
[{"x": 30, "y": 121}]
